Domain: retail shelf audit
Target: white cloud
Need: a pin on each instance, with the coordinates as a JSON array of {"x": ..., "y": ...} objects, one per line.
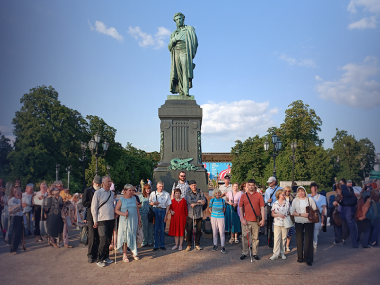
[
  {"x": 355, "y": 88},
  {"x": 148, "y": 40},
  {"x": 8, "y": 133},
  {"x": 236, "y": 120},
  {"x": 318, "y": 78},
  {"x": 372, "y": 6},
  {"x": 365, "y": 23},
  {"x": 299, "y": 62},
  {"x": 102, "y": 28}
]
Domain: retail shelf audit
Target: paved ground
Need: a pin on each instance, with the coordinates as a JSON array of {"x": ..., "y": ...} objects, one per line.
[{"x": 41, "y": 264}]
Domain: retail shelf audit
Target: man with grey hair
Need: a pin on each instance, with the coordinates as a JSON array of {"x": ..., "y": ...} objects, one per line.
[
  {"x": 27, "y": 206},
  {"x": 93, "y": 236},
  {"x": 103, "y": 214},
  {"x": 183, "y": 46},
  {"x": 160, "y": 200}
]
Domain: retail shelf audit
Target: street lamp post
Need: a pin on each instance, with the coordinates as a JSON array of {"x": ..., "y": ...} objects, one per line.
[
  {"x": 277, "y": 145},
  {"x": 83, "y": 146},
  {"x": 93, "y": 146},
  {"x": 56, "y": 171},
  {"x": 293, "y": 146},
  {"x": 68, "y": 169},
  {"x": 108, "y": 170}
]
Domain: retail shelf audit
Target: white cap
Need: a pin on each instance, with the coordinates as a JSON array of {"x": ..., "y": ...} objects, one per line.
[{"x": 271, "y": 179}]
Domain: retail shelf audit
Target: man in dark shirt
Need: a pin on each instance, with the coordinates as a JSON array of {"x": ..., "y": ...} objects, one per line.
[{"x": 93, "y": 236}]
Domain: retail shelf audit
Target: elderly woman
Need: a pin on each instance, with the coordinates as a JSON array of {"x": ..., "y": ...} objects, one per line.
[
  {"x": 217, "y": 207},
  {"x": 16, "y": 213},
  {"x": 53, "y": 208},
  {"x": 232, "y": 220},
  {"x": 291, "y": 232},
  {"x": 5, "y": 218},
  {"x": 144, "y": 210},
  {"x": 304, "y": 228},
  {"x": 178, "y": 211},
  {"x": 280, "y": 210},
  {"x": 127, "y": 209}
]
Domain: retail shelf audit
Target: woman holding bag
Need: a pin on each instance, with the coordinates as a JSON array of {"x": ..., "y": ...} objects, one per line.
[
  {"x": 280, "y": 212},
  {"x": 300, "y": 209}
]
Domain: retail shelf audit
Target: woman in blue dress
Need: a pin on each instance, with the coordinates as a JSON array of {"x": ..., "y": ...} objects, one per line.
[{"x": 129, "y": 219}]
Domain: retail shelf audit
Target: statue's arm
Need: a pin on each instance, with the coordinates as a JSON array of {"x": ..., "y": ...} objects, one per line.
[{"x": 171, "y": 42}]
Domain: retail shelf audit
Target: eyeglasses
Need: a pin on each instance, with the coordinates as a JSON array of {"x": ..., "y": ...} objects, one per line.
[{"x": 227, "y": 177}]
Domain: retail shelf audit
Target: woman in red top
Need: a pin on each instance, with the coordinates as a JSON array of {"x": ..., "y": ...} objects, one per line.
[{"x": 178, "y": 211}]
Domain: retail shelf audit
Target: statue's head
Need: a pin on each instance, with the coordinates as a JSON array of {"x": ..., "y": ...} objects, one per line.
[{"x": 179, "y": 19}]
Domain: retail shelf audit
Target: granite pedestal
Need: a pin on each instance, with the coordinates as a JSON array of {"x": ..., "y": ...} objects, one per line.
[{"x": 181, "y": 121}]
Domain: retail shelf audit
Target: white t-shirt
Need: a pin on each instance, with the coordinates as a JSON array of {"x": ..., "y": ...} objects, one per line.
[{"x": 27, "y": 198}]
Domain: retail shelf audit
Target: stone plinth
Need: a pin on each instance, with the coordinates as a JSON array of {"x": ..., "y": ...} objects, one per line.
[{"x": 181, "y": 121}]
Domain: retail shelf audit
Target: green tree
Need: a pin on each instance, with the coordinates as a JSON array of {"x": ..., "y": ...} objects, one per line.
[
  {"x": 367, "y": 156},
  {"x": 248, "y": 160},
  {"x": 348, "y": 149},
  {"x": 47, "y": 133},
  {"x": 91, "y": 170},
  {"x": 5, "y": 150}
]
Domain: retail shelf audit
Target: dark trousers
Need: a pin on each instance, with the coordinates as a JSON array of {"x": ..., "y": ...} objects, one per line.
[
  {"x": 375, "y": 230},
  {"x": 198, "y": 233},
  {"x": 93, "y": 241},
  {"x": 16, "y": 233},
  {"x": 270, "y": 234},
  {"x": 305, "y": 249},
  {"x": 105, "y": 230},
  {"x": 159, "y": 227},
  {"x": 37, "y": 219},
  {"x": 347, "y": 214},
  {"x": 337, "y": 231}
]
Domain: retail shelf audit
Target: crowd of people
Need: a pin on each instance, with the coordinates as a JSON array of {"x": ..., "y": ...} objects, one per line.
[{"x": 123, "y": 223}]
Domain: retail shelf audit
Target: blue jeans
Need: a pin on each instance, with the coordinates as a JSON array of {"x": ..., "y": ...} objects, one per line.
[
  {"x": 159, "y": 227},
  {"x": 347, "y": 214}
]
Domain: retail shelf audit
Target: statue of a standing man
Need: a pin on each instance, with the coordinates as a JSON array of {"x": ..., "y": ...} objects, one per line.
[{"x": 183, "y": 47}]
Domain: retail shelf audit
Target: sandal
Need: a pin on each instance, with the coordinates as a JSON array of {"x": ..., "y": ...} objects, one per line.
[
  {"x": 125, "y": 257},
  {"x": 180, "y": 247},
  {"x": 231, "y": 240},
  {"x": 236, "y": 240},
  {"x": 174, "y": 247},
  {"x": 135, "y": 257}
]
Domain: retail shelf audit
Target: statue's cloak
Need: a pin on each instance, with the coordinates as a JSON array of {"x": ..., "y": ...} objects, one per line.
[{"x": 191, "y": 49}]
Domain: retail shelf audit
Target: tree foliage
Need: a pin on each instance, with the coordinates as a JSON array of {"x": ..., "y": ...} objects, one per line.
[{"x": 5, "y": 149}]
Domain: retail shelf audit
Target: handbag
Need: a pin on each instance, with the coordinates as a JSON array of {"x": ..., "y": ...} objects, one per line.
[
  {"x": 83, "y": 237},
  {"x": 288, "y": 223},
  {"x": 139, "y": 235},
  {"x": 233, "y": 202},
  {"x": 313, "y": 214}
]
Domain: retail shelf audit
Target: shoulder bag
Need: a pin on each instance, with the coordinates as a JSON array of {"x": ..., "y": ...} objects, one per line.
[
  {"x": 313, "y": 214},
  {"x": 288, "y": 222},
  {"x": 258, "y": 218},
  {"x": 233, "y": 202}
]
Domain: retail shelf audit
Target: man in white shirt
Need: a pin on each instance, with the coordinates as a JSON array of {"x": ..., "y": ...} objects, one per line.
[
  {"x": 269, "y": 199},
  {"x": 227, "y": 187},
  {"x": 160, "y": 200},
  {"x": 103, "y": 214},
  {"x": 27, "y": 204}
]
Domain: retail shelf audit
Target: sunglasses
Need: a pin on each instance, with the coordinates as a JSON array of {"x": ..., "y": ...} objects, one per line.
[{"x": 182, "y": 176}]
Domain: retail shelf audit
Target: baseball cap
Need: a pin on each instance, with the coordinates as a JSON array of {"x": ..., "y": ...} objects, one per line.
[
  {"x": 192, "y": 182},
  {"x": 271, "y": 179}
]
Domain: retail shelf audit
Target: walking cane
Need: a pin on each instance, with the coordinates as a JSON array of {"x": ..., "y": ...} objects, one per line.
[
  {"x": 231, "y": 241},
  {"x": 269, "y": 225},
  {"x": 193, "y": 230},
  {"x": 115, "y": 240}
]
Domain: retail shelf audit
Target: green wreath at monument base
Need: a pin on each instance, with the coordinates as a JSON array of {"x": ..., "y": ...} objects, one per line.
[{"x": 177, "y": 163}]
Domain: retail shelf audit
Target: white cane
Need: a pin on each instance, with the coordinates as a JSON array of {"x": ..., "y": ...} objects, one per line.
[{"x": 115, "y": 239}]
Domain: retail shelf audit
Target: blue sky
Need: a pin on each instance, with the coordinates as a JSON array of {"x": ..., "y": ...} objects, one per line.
[{"x": 110, "y": 59}]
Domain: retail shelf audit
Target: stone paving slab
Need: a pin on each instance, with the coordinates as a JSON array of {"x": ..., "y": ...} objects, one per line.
[{"x": 42, "y": 264}]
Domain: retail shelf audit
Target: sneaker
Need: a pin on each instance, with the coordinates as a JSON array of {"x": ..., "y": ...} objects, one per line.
[
  {"x": 256, "y": 257},
  {"x": 108, "y": 261},
  {"x": 163, "y": 248},
  {"x": 287, "y": 249},
  {"x": 223, "y": 250},
  {"x": 283, "y": 256},
  {"x": 243, "y": 257},
  {"x": 198, "y": 247},
  {"x": 101, "y": 264},
  {"x": 215, "y": 248},
  {"x": 273, "y": 257},
  {"x": 188, "y": 248},
  {"x": 90, "y": 260},
  {"x": 155, "y": 248}
]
